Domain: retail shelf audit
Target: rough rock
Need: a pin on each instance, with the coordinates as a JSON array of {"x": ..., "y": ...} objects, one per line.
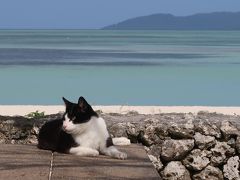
[
  {"x": 153, "y": 153},
  {"x": 21, "y": 130},
  {"x": 220, "y": 153},
  {"x": 231, "y": 169},
  {"x": 148, "y": 137},
  {"x": 147, "y": 134},
  {"x": 176, "y": 149},
  {"x": 156, "y": 162},
  {"x": 232, "y": 142},
  {"x": 118, "y": 130},
  {"x": 143, "y": 139},
  {"x": 197, "y": 159},
  {"x": 35, "y": 130},
  {"x": 228, "y": 130},
  {"x": 181, "y": 131},
  {"x": 2, "y": 138},
  {"x": 238, "y": 144},
  {"x": 175, "y": 171},
  {"x": 32, "y": 140},
  {"x": 162, "y": 131},
  {"x": 209, "y": 173},
  {"x": 207, "y": 128},
  {"x": 204, "y": 142},
  {"x": 154, "y": 150},
  {"x": 16, "y": 129},
  {"x": 132, "y": 132}
]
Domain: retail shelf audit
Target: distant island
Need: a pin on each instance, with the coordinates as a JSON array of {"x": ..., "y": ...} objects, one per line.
[{"x": 201, "y": 21}]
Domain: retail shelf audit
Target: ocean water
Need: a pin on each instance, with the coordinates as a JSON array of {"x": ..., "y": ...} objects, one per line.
[{"x": 120, "y": 67}]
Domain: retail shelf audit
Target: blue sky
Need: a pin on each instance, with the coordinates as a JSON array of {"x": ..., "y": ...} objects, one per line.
[{"x": 87, "y": 14}]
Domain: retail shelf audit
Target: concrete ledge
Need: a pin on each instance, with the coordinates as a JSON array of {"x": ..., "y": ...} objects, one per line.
[{"x": 25, "y": 162}]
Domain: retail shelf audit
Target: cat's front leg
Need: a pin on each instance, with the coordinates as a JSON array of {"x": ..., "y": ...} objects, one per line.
[
  {"x": 114, "y": 152},
  {"x": 83, "y": 151}
]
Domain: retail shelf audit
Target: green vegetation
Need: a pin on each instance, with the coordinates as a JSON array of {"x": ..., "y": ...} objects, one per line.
[{"x": 36, "y": 114}]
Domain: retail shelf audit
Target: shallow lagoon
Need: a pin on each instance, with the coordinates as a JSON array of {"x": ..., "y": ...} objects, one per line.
[{"x": 120, "y": 67}]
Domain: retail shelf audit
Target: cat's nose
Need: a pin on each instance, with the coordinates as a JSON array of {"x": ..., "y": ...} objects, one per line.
[{"x": 64, "y": 126}]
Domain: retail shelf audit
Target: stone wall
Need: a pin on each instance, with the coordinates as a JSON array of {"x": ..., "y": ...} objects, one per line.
[
  {"x": 187, "y": 146},
  {"x": 180, "y": 146}
]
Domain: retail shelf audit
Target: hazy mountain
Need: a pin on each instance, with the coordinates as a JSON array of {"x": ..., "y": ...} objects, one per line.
[{"x": 206, "y": 21}]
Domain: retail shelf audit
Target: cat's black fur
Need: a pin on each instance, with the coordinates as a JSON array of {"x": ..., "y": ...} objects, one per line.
[{"x": 51, "y": 135}]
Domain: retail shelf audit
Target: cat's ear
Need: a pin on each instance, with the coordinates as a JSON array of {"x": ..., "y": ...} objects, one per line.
[
  {"x": 66, "y": 102},
  {"x": 83, "y": 104}
]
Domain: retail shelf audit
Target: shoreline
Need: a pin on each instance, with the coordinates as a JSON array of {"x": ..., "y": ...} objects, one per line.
[{"x": 22, "y": 110}]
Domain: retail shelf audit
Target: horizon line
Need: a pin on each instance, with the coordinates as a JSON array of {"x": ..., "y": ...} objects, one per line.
[{"x": 102, "y": 28}]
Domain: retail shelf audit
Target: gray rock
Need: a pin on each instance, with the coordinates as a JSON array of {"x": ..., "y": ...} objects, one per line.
[
  {"x": 162, "y": 131},
  {"x": 153, "y": 121},
  {"x": 228, "y": 130},
  {"x": 182, "y": 131},
  {"x": 155, "y": 150},
  {"x": 2, "y": 138},
  {"x": 11, "y": 122},
  {"x": 231, "y": 169},
  {"x": 208, "y": 129},
  {"x": 132, "y": 132},
  {"x": 204, "y": 142},
  {"x": 220, "y": 153},
  {"x": 142, "y": 139},
  {"x": 175, "y": 171},
  {"x": 149, "y": 136},
  {"x": 156, "y": 162},
  {"x": 20, "y": 135},
  {"x": 32, "y": 140},
  {"x": 176, "y": 149},
  {"x": 232, "y": 142},
  {"x": 197, "y": 159},
  {"x": 118, "y": 130},
  {"x": 35, "y": 130},
  {"x": 21, "y": 130},
  {"x": 238, "y": 144},
  {"x": 209, "y": 173}
]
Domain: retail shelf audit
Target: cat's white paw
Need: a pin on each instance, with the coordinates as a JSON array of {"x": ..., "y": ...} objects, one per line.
[
  {"x": 83, "y": 151},
  {"x": 91, "y": 154},
  {"x": 121, "y": 155},
  {"x": 95, "y": 153}
]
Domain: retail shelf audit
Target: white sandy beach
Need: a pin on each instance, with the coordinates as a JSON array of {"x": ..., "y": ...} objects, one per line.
[{"x": 21, "y": 110}]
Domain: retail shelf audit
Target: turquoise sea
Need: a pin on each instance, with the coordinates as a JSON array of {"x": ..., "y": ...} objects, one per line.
[{"x": 120, "y": 67}]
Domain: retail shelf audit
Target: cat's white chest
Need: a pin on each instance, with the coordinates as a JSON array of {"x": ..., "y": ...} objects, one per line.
[
  {"x": 94, "y": 136},
  {"x": 88, "y": 139}
]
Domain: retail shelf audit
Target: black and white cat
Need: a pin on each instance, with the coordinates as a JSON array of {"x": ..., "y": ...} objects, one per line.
[{"x": 81, "y": 132}]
